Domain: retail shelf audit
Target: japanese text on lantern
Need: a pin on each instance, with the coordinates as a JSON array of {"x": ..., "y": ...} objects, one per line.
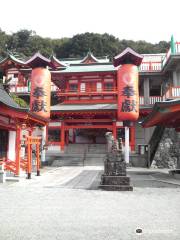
[
  {"x": 39, "y": 105},
  {"x": 128, "y": 104}
]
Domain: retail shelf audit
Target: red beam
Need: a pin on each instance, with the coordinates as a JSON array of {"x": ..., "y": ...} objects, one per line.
[
  {"x": 89, "y": 127},
  {"x": 94, "y": 112},
  {"x": 86, "y": 120},
  {"x": 88, "y": 101},
  {"x": 86, "y": 93}
]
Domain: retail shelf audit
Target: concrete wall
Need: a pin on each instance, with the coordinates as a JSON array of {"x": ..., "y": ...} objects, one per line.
[{"x": 143, "y": 135}]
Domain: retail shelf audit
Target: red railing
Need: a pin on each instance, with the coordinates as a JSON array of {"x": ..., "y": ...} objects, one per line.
[
  {"x": 26, "y": 89},
  {"x": 172, "y": 92},
  {"x": 154, "y": 99},
  {"x": 150, "y": 66},
  {"x": 177, "y": 47},
  {"x": 151, "y": 101},
  {"x": 9, "y": 165},
  {"x": 88, "y": 91},
  {"x": 141, "y": 100},
  {"x": 168, "y": 54}
]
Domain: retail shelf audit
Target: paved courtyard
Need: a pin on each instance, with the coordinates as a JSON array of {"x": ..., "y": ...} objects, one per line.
[{"x": 65, "y": 203}]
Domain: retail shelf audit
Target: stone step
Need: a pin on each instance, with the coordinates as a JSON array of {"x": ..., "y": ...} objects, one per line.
[
  {"x": 96, "y": 155},
  {"x": 60, "y": 163}
]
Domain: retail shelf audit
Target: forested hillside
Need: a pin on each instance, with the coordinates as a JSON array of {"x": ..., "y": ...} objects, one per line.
[{"x": 25, "y": 43}]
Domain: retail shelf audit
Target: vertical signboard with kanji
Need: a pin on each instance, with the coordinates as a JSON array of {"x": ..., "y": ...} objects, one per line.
[
  {"x": 40, "y": 92},
  {"x": 128, "y": 93}
]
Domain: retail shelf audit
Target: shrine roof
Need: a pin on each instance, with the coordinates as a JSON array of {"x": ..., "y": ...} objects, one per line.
[
  {"x": 38, "y": 60},
  {"x": 88, "y": 68},
  {"x": 128, "y": 56},
  {"x": 11, "y": 58},
  {"x": 83, "y": 107},
  {"x": 92, "y": 59},
  {"x": 166, "y": 113},
  {"x": 57, "y": 62},
  {"x": 8, "y": 101},
  {"x": 70, "y": 61}
]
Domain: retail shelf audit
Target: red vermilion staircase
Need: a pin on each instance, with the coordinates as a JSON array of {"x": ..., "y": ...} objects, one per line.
[{"x": 11, "y": 165}]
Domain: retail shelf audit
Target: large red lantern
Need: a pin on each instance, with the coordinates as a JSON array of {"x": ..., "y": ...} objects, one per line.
[
  {"x": 40, "y": 92},
  {"x": 128, "y": 93},
  {"x": 127, "y": 84}
]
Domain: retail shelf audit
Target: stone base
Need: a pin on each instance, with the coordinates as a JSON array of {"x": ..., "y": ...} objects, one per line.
[
  {"x": 116, "y": 187},
  {"x": 115, "y": 180},
  {"x": 113, "y": 168},
  {"x": 115, "y": 183}
]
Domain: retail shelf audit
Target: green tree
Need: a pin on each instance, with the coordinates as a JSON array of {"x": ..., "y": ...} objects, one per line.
[{"x": 26, "y": 42}]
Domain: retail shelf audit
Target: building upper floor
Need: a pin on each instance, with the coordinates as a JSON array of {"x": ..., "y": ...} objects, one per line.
[{"x": 92, "y": 79}]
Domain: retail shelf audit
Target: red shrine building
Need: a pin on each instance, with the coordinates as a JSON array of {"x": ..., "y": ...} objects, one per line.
[{"x": 84, "y": 97}]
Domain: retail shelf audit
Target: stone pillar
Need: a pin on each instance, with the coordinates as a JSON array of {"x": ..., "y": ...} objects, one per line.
[
  {"x": 126, "y": 149},
  {"x": 2, "y": 174},
  {"x": 133, "y": 140},
  {"x": 146, "y": 91},
  {"x": 175, "y": 80},
  {"x": 44, "y": 136},
  {"x": 114, "y": 130}
]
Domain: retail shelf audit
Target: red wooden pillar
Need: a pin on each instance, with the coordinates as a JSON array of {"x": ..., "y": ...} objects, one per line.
[
  {"x": 62, "y": 136},
  {"x": 37, "y": 158},
  {"x": 30, "y": 134},
  {"x": 29, "y": 158},
  {"x": 67, "y": 137},
  {"x": 133, "y": 138},
  {"x": 79, "y": 84},
  {"x": 114, "y": 130},
  {"x": 118, "y": 97},
  {"x": 18, "y": 149}
]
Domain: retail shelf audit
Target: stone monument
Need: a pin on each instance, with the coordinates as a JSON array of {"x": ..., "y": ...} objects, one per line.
[{"x": 114, "y": 177}]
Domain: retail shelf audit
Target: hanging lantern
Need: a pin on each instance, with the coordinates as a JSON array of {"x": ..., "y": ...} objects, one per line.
[
  {"x": 40, "y": 92},
  {"x": 128, "y": 93},
  {"x": 127, "y": 84}
]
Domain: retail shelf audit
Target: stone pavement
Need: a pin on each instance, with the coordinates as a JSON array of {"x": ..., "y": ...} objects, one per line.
[{"x": 59, "y": 205}]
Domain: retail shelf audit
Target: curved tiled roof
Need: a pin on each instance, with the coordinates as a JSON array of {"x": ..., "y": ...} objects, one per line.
[
  {"x": 163, "y": 113},
  {"x": 12, "y": 58},
  {"x": 8, "y": 101},
  {"x": 83, "y": 107}
]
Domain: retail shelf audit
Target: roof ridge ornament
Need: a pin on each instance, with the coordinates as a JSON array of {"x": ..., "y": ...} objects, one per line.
[{"x": 89, "y": 55}]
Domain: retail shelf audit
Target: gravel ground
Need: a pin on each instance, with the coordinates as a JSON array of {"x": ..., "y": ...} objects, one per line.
[{"x": 38, "y": 209}]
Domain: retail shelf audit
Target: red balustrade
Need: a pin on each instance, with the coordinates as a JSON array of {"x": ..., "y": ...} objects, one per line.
[{"x": 150, "y": 66}]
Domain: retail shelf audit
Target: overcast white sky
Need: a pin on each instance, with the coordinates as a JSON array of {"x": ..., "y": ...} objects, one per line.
[{"x": 151, "y": 20}]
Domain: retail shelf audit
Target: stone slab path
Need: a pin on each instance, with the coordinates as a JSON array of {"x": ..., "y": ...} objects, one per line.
[{"x": 59, "y": 205}]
